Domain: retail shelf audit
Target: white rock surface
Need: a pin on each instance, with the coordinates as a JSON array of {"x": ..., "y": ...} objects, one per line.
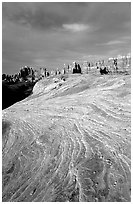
[{"x": 69, "y": 141}]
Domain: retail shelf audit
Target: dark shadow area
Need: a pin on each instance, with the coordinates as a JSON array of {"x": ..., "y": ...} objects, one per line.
[{"x": 12, "y": 93}]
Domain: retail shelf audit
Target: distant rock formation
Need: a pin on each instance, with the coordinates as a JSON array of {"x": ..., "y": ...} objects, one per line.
[
  {"x": 12, "y": 93},
  {"x": 69, "y": 141}
]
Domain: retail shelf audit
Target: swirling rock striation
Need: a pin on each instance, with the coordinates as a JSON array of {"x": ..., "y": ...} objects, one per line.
[{"x": 69, "y": 142}]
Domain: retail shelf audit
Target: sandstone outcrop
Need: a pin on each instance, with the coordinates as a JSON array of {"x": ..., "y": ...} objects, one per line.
[{"x": 69, "y": 141}]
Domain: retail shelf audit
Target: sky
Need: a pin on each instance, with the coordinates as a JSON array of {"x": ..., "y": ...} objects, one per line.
[{"x": 51, "y": 34}]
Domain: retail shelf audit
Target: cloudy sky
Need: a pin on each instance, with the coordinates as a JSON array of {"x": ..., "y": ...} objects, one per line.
[{"x": 49, "y": 34}]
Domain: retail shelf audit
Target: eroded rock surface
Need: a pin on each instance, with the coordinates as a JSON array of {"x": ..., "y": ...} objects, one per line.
[{"x": 69, "y": 142}]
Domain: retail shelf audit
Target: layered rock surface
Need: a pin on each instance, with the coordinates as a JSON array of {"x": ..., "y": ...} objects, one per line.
[{"x": 69, "y": 141}]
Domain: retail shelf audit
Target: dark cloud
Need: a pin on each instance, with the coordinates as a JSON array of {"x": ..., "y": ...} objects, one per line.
[
  {"x": 50, "y": 34},
  {"x": 43, "y": 15}
]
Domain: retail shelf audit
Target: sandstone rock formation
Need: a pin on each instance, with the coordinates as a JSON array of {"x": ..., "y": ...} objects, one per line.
[{"x": 69, "y": 141}]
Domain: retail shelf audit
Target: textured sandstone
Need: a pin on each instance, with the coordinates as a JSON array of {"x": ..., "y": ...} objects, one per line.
[{"x": 69, "y": 141}]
